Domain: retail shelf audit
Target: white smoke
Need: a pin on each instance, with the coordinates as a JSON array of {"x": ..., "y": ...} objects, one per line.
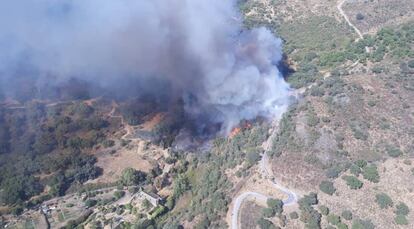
[{"x": 199, "y": 47}]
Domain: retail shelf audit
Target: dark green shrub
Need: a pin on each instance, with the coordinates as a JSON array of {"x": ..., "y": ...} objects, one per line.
[
  {"x": 402, "y": 209},
  {"x": 333, "y": 219},
  {"x": 276, "y": 205},
  {"x": 346, "y": 214},
  {"x": 353, "y": 182},
  {"x": 383, "y": 200},
  {"x": 119, "y": 194},
  {"x": 253, "y": 157},
  {"x": 294, "y": 215},
  {"x": 323, "y": 210},
  {"x": 108, "y": 143},
  {"x": 333, "y": 172},
  {"x": 411, "y": 64},
  {"x": 342, "y": 226},
  {"x": 362, "y": 224},
  {"x": 265, "y": 224},
  {"x": 90, "y": 203},
  {"x": 359, "y": 16},
  {"x": 268, "y": 212},
  {"x": 401, "y": 220},
  {"x": 327, "y": 187},
  {"x": 355, "y": 169},
  {"x": 361, "y": 163},
  {"x": 371, "y": 173},
  {"x": 312, "y": 119},
  {"x": 394, "y": 151}
]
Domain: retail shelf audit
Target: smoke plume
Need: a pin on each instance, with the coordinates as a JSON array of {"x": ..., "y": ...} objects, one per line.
[{"x": 223, "y": 72}]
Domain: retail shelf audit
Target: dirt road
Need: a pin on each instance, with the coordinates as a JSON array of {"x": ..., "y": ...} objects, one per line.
[{"x": 341, "y": 11}]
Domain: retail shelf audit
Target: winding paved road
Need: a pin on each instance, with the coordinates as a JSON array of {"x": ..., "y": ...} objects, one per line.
[{"x": 263, "y": 164}]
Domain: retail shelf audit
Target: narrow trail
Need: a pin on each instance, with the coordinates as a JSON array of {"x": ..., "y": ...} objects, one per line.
[
  {"x": 341, "y": 11},
  {"x": 128, "y": 128}
]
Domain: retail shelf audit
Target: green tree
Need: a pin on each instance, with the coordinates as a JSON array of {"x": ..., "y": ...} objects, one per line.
[
  {"x": 342, "y": 226},
  {"x": 146, "y": 204},
  {"x": 362, "y": 224},
  {"x": 401, "y": 220},
  {"x": 355, "y": 170},
  {"x": 90, "y": 203},
  {"x": 265, "y": 224},
  {"x": 333, "y": 172},
  {"x": 276, "y": 205},
  {"x": 402, "y": 209},
  {"x": 324, "y": 210},
  {"x": 361, "y": 163},
  {"x": 353, "y": 182},
  {"x": 394, "y": 151},
  {"x": 346, "y": 214},
  {"x": 181, "y": 185},
  {"x": 253, "y": 157},
  {"x": 383, "y": 200},
  {"x": 268, "y": 212},
  {"x": 119, "y": 194},
  {"x": 360, "y": 16},
  {"x": 333, "y": 219},
  {"x": 294, "y": 215},
  {"x": 327, "y": 187},
  {"x": 132, "y": 176},
  {"x": 371, "y": 173},
  {"x": 411, "y": 64}
]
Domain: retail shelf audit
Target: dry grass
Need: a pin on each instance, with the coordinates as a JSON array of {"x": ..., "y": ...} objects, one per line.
[
  {"x": 396, "y": 181},
  {"x": 250, "y": 212},
  {"x": 379, "y": 13},
  {"x": 134, "y": 156}
]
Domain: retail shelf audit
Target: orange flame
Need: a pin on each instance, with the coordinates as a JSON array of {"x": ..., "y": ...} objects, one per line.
[{"x": 236, "y": 130}]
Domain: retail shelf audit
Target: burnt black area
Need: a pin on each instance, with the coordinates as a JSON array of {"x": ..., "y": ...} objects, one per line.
[{"x": 285, "y": 69}]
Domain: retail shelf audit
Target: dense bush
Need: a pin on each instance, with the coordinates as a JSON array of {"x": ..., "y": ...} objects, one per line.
[
  {"x": 353, "y": 182},
  {"x": 119, "y": 194},
  {"x": 360, "y": 16},
  {"x": 362, "y": 224},
  {"x": 401, "y": 220},
  {"x": 355, "y": 169},
  {"x": 268, "y": 212},
  {"x": 294, "y": 215},
  {"x": 346, "y": 214},
  {"x": 265, "y": 224},
  {"x": 309, "y": 215},
  {"x": 327, "y": 187},
  {"x": 383, "y": 200},
  {"x": 371, "y": 173},
  {"x": 276, "y": 205},
  {"x": 402, "y": 209},
  {"x": 333, "y": 219},
  {"x": 90, "y": 203},
  {"x": 333, "y": 172},
  {"x": 132, "y": 176},
  {"x": 324, "y": 210},
  {"x": 394, "y": 151},
  {"x": 411, "y": 64},
  {"x": 253, "y": 157}
]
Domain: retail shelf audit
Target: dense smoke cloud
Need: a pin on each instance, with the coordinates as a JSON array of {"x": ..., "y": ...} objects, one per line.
[{"x": 197, "y": 47}]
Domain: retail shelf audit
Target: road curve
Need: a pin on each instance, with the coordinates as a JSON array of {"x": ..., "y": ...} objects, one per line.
[
  {"x": 237, "y": 204},
  {"x": 292, "y": 197}
]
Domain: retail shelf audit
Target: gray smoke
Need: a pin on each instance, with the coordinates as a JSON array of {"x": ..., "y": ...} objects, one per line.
[{"x": 198, "y": 47}]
